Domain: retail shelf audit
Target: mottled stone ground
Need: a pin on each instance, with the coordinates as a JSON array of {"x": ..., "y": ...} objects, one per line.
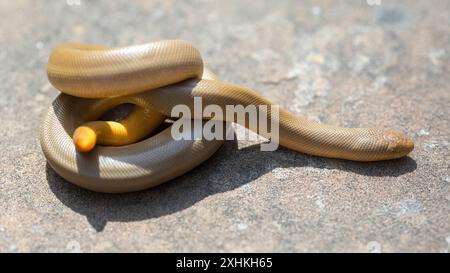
[{"x": 340, "y": 62}]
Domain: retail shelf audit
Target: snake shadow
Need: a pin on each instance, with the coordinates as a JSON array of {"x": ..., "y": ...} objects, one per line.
[{"x": 228, "y": 169}]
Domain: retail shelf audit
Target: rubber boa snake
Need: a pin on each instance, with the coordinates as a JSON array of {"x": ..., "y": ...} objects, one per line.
[{"x": 156, "y": 77}]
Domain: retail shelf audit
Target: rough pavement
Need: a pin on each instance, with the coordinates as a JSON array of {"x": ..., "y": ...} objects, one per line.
[{"x": 340, "y": 62}]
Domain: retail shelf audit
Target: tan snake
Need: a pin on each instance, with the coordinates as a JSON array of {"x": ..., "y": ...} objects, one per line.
[{"x": 156, "y": 77}]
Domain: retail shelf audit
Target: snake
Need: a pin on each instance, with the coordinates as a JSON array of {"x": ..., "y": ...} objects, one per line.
[{"x": 131, "y": 154}]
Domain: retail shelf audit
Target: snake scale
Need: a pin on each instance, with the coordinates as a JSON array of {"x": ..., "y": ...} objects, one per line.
[{"x": 115, "y": 156}]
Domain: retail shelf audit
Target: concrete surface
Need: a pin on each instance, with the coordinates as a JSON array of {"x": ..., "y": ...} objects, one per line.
[{"x": 340, "y": 62}]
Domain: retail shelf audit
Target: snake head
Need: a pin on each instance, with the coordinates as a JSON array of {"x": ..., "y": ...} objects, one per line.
[{"x": 397, "y": 144}]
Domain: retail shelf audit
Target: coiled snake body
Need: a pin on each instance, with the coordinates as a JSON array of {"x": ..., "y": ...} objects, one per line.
[{"x": 156, "y": 77}]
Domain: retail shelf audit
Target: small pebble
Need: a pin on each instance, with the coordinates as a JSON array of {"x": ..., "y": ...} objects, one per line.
[
  {"x": 316, "y": 10},
  {"x": 423, "y": 132},
  {"x": 39, "y": 45}
]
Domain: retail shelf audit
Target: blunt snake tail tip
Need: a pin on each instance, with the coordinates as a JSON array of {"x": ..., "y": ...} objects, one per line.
[{"x": 155, "y": 77}]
